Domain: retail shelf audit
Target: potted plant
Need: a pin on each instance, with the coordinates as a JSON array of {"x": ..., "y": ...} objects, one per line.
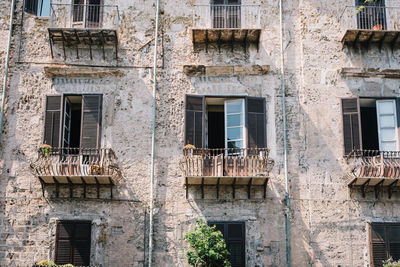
[
  {"x": 207, "y": 246},
  {"x": 45, "y": 150},
  {"x": 188, "y": 149},
  {"x": 391, "y": 263}
]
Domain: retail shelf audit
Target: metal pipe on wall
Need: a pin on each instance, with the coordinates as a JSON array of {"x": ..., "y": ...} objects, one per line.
[
  {"x": 285, "y": 149},
  {"x": 153, "y": 134},
  {"x": 3, "y": 101}
]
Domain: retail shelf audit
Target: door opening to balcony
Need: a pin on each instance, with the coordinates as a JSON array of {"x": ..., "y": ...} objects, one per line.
[
  {"x": 87, "y": 14},
  {"x": 379, "y": 124},
  {"x": 72, "y": 121},
  {"x": 226, "y": 13},
  {"x": 372, "y": 16}
]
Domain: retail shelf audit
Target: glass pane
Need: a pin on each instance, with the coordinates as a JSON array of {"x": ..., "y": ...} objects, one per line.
[
  {"x": 234, "y": 106},
  {"x": 394, "y": 233},
  {"x": 235, "y": 133},
  {"x": 388, "y": 135},
  {"x": 235, "y": 144},
  {"x": 234, "y": 120},
  {"x": 235, "y": 230},
  {"x": 386, "y": 107}
]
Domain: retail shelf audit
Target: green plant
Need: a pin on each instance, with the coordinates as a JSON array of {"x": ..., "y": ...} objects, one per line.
[
  {"x": 45, "y": 150},
  {"x": 46, "y": 263},
  {"x": 207, "y": 246},
  {"x": 391, "y": 263},
  {"x": 362, "y": 6}
]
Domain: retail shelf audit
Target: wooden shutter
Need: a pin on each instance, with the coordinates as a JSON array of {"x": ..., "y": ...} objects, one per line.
[
  {"x": 236, "y": 244},
  {"x": 64, "y": 239},
  {"x": 81, "y": 252},
  {"x": 91, "y": 121},
  {"x": 256, "y": 122},
  {"x": 73, "y": 242},
  {"x": 31, "y": 6},
  {"x": 379, "y": 249},
  {"x": 394, "y": 241},
  {"x": 194, "y": 120},
  {"x": 52, "y": 121},
  {"x": 351, "y": 124}
]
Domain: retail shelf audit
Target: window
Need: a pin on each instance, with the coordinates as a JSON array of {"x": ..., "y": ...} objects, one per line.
[
  {"x": 87, "y": 13},
  {"x": 37, "y": 7},
  {"x": 372, "y": 16},
  {"x": 384, "y": 242},
  {"x": 73, "y": 242},
  {"x": 73, "y": 121},
  {"x": 226, "y": 13},
  {"x": 234, "y": 235},
  {"x": 371, "y": 124},
  {"x": 224, "y": 122}
]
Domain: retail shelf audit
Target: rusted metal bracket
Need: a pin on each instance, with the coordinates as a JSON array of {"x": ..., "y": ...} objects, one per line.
[
  {"x": 363, "y": 187},
  {"x": 376, "y": 188},
  {"x": 390, "y": 188}
]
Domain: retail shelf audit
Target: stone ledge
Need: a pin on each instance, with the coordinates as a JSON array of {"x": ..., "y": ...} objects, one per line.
[
  {"x": 370, "y": 73},
  {"x": 81, "y": 72},
  {"x": 227, "y": 70}
]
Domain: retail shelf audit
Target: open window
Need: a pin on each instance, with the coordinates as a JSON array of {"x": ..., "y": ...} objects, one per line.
[
  {"x": 372, "y": 16},
  {"x": 226, "y": 13},
  {"x": 371, "y": 124},
  {"x": 234, "y": 234},
  {"x": 87, "y": 13},
  {"x": 230, "y": 123},
  {"x": 37, "y": 7},
  {"x": 73, "y": 121}
]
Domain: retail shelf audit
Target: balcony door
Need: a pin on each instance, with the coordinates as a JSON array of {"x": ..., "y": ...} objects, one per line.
[
  {"x": 226, "y": 13},
  {"x": 234, "y": 125},
  {"x": 372, "y": 16},
  {"x": 87, "y": 13},
  {"x": 387, "y": 125}
]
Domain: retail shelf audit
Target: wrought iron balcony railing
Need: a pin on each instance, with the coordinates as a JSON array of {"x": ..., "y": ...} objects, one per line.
[
  {"x": 226, "y": 162},
  {"x": 75, "y": 164},
  {"x": 375, "y": 164},
  {"x": 226, "y": 16},
  {"x": 84, "y": 16}
]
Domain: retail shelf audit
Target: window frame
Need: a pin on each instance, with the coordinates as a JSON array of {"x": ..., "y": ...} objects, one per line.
[
  {"x": 225, "y": 235},
  {"x": 74, "y": 222},
  {"x": 246, "y": 117},
  {"x": 387, "y": 225}
]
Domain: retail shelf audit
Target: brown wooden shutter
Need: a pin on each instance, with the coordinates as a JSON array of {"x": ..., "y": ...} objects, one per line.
[
  {"x": 81, "y": 252},
  {"x": 256, "y": 122},
  {"x": 394, "y": 241},
  {"x": 378, "y": 244},
  {"x": 91, "y": 121},
  {"x": 73, "y": 242},
  {"x": 351, "y": 124},
  {"x": 64, "y": 239},
  {"x": 194, "y": 120},
  {"x": 52, "y": 121}
]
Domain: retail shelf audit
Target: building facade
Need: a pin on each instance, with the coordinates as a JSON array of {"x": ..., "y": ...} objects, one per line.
[{"x": 76, "y": 147}]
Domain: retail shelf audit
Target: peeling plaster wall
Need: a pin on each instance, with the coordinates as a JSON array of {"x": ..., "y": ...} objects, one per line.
[{"x": 329, "y": 225}]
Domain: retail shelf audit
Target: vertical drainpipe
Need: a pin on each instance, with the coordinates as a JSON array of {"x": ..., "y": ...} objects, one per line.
[
  {"x": 153, "y": 134},
  {"x": 285, "y": 149},
  {"x": 3, "y": 102}
]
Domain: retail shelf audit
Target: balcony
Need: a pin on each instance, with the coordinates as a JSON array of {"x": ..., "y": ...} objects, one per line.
[
  {"x": 373, "y": 168},
  {"x": 371, "y": 25},
  {"x": 89, "y": 26},
  {"x": 226, "y": 24},
  {"x": 77, "y": 167},
  {"x": 232, "y": 166}
]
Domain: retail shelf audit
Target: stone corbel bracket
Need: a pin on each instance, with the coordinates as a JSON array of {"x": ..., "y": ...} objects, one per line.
[
  {"x": 370, "y": 73},
  {"x": 81, "y": 72},
  {"x": 227, "y": 70}
]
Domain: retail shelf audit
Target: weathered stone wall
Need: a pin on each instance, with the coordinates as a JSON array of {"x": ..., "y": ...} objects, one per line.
[{"x": 329, "y": 225}]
